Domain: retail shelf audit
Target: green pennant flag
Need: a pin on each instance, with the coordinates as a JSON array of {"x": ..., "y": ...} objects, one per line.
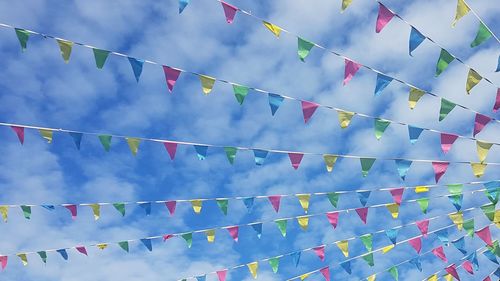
[
  {"x": 369, "y": 259},
  {"x": 100, "y": 57},
  {"x": 120, "y": 207},
  {"x": 23, "y": 36},
  {"x": 26, "y": 211},
  {"x": 424, "y": 204},
  {"x": 282, "y": 226},
  {"x": 123, "y": 245},
  {"x": 304, "y": 48},
  {"x": 105, "y": 141},
  {"x": 366, "y": 164},
  {"x": 133, "y": 144},
  {"x": 446, "y": 107},
  {"x": 43, "y": 256},
  {"x": 483, "y": 34},
  {"x": 189, "y": 238},
  {"x": 380, "y": 126},
  {"x": 444, "y": 60},
  {"x": 455, "y": 189},
  {"x": 230, "y": 153},
  {"x": 367, "y": 240},
  {"x": 222, "y": 203},
  {"x": 240, "y": 92},
  {"x": 469, "y": 227},
  {"x": 489, "y": 211},
  {"x": 333, "y": 197},
  {"x": 495, "y": 249},
  {"x": 394, "y": 272},
  {"x": 274, "y": 262},
  {"x": 65, "y": 47}
]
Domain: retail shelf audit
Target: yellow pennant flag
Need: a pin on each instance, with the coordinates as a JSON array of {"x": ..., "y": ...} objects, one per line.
[
  {"x": 46, "y": 134},
  {"x": 96, "y": 209},
  {"x": 276, "y": 30},
  {"x": 462, "y": 10},
  {"x": 344, "y": 247},
  {"x": 303, "y": 222},
  {"x": 304, "y": 201},
  {"x": 65, "y": 47},
  {"x": 24, "y": 258},
  {"x": 393, "y": 209},
  {"x": 478, "y": 169},
  {"x": 304, "y": 276},
  {"x": 458, "y": 219},
  {"x": 448, "y": 277},
  {"x": 482, "y": 149},
  {"x": 4, "y": 210},
  {"x": 253, "y": 267},
  {"x": 345, "y": 118},
  {"x": 133, "y": 144},
  {"x": 210, "y": 235},
  {"x": 345, "y": 4},
  {"x": 415, "y": 95},
  {"x": 371, "y": 277},
  {"x": 102, "y": 246},
  {"x": 473, "y": 79},
  {"x": 329, "y": 161},
  {"x": 421, "y": 189},
  {"x": 433, "y": 278},
  {"x": 496, "y": 218},
  {"x": 207, "y": 83},
  {"x": 196, "y": 205},
  {"x": 387, "y": 248}
]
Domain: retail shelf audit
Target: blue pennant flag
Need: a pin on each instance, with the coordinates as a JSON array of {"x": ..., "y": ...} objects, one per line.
[
  {"x": 472, "y": 257},
  {"x": 260, "y": 156},
  {"x": 258, "y": 228},
  {"x": 63, "y": 253},
  {"x": 296, "y": 258},
  {"x": 498, "y": 66},
  {"x": 77, "y": 138},
  {"x": 147, "y": 244},
  {"x": 382, "y": 82},
  {"x": 416, "y": 38},
  {"x": 460, "y": 245},
  {"x": 497, "y": 272},
  {"x": 403, "y": 167},
  {"x": 392, "y": 234},
  {"x": 182, "y": 5},
  {"x": 346, "y": 266},
  {"x": 248, "y": 203},
  {"x": 49, "y": 207},
  {"x": 136, "y": 67},
  {"x": 147, "y": 207},
  {"x": 493, "y": 191},
  {"x": 274, "y": 102},
  {"x": 417, "y": 263},
  {"x": 363, "y": 197},
  {"x": 414, "y": 133},
  {"x": 201, "y": 278},
  {"x": 488, "y": 254},
  {"x": 443, "y": 236},
  {"x": 457, "y": 200},
  {"x": 201, "y": 151}
]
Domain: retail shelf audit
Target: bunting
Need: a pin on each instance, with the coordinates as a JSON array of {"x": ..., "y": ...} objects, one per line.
[
  {"x": 384, "y": 16},
  {"x": 462, "y": 10},
  {"x": 444, "y": 60},
  {"x": 416, "y": 38},
  {"x": 473, "y": 78},
  {"x": 414, "y": 97},
  {"x": 483, "y": 34}
]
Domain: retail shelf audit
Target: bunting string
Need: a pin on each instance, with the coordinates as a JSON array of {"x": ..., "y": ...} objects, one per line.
[{"x": 481, "y": 21}]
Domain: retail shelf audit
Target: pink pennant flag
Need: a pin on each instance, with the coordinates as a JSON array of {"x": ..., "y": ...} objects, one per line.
[
  {"x": 167, "y": 236},
  {"x": 222, "y": 274},
  {"x": 447, "y": 141},
  {"x": 229, "y": 11},
  {"x": 171, "y": 75},
  {"x": 308, "y": 109},
  {"x": 451, "y": 269},
  {"x": 82, "y": 250},
  {"x": 439, "y": 169},
  {"x": 320, "y": 252},
  {"x": 423, "y": 225},
  {"x": 439, "y": 252},
  {"x": 233, "y": 231},
  {"x": 333, "y": 218},
  {"x": 485, "y": 235},
  {"x": 467, "y": 265},
  {"x": 171, "y": 206},
  {"x": 19, "y": 132},
  {"x": 383, "y": 18},
  {"x": 73, "y": 210},
  {"x": 350, "y": 70},
  {"x": 295, "y": 158},
  {"x": 275, "y": 201},
  {"x": 496, "y": 106},
  {"x": 326, "y": 273},
  {"x": 3, "y": 261},
  {"x": 480, "y": 122},
  {"x": 397, "y": 195},
  {"x": 362, "y": 213},
  {"x": 416, "y": 243},
  {"x": 487, "y": 278},
  {"x": 171, "y": 148}
]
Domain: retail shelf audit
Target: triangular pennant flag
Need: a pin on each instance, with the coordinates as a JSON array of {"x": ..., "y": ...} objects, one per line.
[
  {"x": 489, "y": 211},
  {"x": 473, "y": 78},
  {"x": 480, "y": 122},
  {"x": 403, "y": 167},
  {"x": 329, "y": 161},
  {"x": 421, "y": 189},
  {"x": 147, "y": 207},
  {"x": 171, "y": 148},
  {"x": 443, "y": 236},
  {"x": 207, "y": 83},
  {"x": 303, "y": 222},
  {"x": 363, "y": 197},
  {"x": 43, "y": 256},
  {"x": 467, "y": 265},
  {"x": 259, "y": 156},
  {"x": 63, "y": 253},
  {"x": 282, "y": 226},
  {"x": 483, "y": 34},
  {"x": 240, "y": 92},
  {"x": 171, "y": 76},
  {"x": 221, "y": 274},
  {"x": 469, "y": 227},
  {"x": 124, "y": 245},
  {"x": 362, "y": 213},
  {"x": 82, "y": 250},
  {"x": 393, "y": 209},
  {"x": 382, "y": 82},
  {"x": 424, "y": 204},
  {"x": 368, "y": 258},
  {"x": 275, "y": 102},
  {"x": 344, "y": 247},
  {"x": 201, "y": 278},
  {"x": 433, "y": 277},
  {"x": 478, "y": 169},
  {"x": 295, "y": 159},
  {"x": 308, "y": 109},
  {"x": 447, "y": 141},
  {"x": 455, "y": 188},
  {"x": 47, "y": 135},
  {"x": 100, "y": 57},
  {"x": 462, "y": 10},
  {"x": 380, "y": 126},
  {"x": 72, "y": 209},
  {"x": 49, "y": 207},
  {"x": 366, "y": 165},
  {"x": 446, "y": 107},
  {"x": 276, "y": 30},
  {"x": 320, "y": 252},
  {"x": 460, "y": 245},
  {"x": 413, "y": 98},
  {"x": 367, "y": 240},
  {"x": 120, "y": 207},
  {"x": 333, "y": 218},
  {"x": 333, "y": 197},
  {"x": 133, "y": 145},
  {"x": 77, "y": 138},
  {"x": 96, "y": 210},
  {"x": 296, "y": 258},
  {"x": 233, "y": 231},
  {"x": 496, "y": 106},
  {"x": 458, "y": 219},
  {"x": 326, "y": 273},
  {"x": 485, "y": 235},
  {"x": 4, "y": 210},
  {"x": 229, "y": 11},
  {"x": 451, "y": 269},
  {"x": 397, "y": 194},
  {"x": 387, "y": 248},
  {"x": 253, "y": 267},
  {"x": 172, "y": 204},
  {"x": 416, "y": 243},
  {"x": 394, "y": 272},
  {"x": 19, "y": 132},
  {"x": 222, "y": 203},
  {"x": 418, "y": 264},
  {"x": 439, "y": 169},
  {"x": 416, "y": 38},
  {"x": 23, "y": 258},
  {"x": 275, "y": 201},
  {"x": 105, "y": 141},
  {"x": 439, "y": 252},
  {"x": 414, "y": 133},
  {"x": 26, "y": 211},
  {"x": 482, "y": 149},
  {"x": 423, "y": 226},
  {"x": 210, "y": 235},
  {"x": 258, "y": 228},
  {"x": 274, "y": 262},
  {"x": 350, "y": 70},
  {"x": 456, "y": 200},
  {"x": 345, "y": 4},
  {"x": 383, "y": 18},
  {"x": 392, "y": 234},
  {"x": 188, "y": 237},
  {"x": 65, "y": 48},
  {"x": 136, "y": 65},
  {"x": 491, "y": 256},
  {"x": 497, "y": 70},
  {"x": 196, "y": 204},
  {"x": 249, "y": 203},
  {"x": 304, "y": 201},
  {"x": 182, "y": 5},
  {"x": 304, "y": 47},
  {"x": 444, "y": 60},
  {"x": 492, "y": 191},
  {"x": 23, "y": 36},
  {"x": 201, "y": 151},
  {"x": 344, "y": 118},
  {"x": 346, "y": 265}
]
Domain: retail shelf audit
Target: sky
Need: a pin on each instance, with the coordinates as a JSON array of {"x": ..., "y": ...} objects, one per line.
[{"x": 37, "y": 88}]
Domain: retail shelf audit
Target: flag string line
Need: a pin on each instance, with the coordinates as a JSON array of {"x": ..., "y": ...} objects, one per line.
[
  {"x": 255, "y": 89},
  {"x": 238, "y": 147},
  {"x": 363, "y": 65},
  {"x": 481, "y": 20},
  {"x": 381, "y": 249}
]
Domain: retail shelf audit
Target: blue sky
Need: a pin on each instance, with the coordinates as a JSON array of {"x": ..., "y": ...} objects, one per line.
[{"x": 37, "y": 88}]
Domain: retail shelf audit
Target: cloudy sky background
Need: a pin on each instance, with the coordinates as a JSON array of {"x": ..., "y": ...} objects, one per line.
[{"x": 37, "y": 88}]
